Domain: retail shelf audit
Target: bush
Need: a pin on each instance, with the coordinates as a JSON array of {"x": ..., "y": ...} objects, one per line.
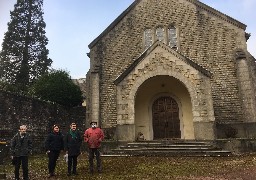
[
  {"x": 230, "y": 132},
  {"x": 57, "y": 87}
]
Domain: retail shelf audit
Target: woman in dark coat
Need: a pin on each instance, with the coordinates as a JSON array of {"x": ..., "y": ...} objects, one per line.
[
  {"x": 54, "y": 144},
  {"x": 72, "y": 142}
]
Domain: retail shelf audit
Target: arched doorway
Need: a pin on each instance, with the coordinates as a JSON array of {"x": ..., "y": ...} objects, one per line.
[{"x": 166, "y": 122}]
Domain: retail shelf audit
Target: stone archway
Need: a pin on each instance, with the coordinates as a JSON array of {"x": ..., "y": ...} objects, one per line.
[{"x": 162, "y": 61}]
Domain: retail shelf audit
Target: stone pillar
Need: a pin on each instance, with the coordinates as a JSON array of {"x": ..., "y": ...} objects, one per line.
[
  {"x": 246, "y": 89},
  {"x": 95, "y": 106},
  {"x": 203, "y": 112},
  {"x": 204, "y": 130},
  {"x": 125, "y": 132}
]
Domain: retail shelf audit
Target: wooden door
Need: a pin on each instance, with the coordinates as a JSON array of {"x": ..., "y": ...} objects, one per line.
[{"x": 166, "y": 123}]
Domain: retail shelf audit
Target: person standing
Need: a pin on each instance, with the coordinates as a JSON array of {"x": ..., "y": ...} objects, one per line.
[
  {"x": 21, "y": 147},
  {"x": 54, "y": 144},
  {"x": 72, "y": 142},
  {"x": 93, "y": 137}
]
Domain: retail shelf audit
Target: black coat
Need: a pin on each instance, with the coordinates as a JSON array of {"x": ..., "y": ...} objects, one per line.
[
  {"x": 72, "y": 145},
  {"x": 21, "y": 146},
  {"x": 54, "y": 142}
]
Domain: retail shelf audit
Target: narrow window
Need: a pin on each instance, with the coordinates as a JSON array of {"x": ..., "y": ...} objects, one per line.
[
  {"x": 148, "y": 38},
  {"x": 172, "y": 37},
  {"x": 160, "y": 34}
]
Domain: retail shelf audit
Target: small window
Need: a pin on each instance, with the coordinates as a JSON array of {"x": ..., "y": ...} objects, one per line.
[
  {"x": 148, "y": 38},
  {"x": 172, "y": 37},
  {"x": 160, "y": 34}
]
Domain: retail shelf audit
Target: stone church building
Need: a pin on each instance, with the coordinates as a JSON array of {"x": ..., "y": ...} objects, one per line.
[{"x": 172, "y": 69}]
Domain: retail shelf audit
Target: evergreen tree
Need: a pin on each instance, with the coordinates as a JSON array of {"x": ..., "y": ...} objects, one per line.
[{"x": 24, "y": 56}]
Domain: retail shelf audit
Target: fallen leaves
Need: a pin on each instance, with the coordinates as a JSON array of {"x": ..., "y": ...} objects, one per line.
[{"x": 150, "y": 168}]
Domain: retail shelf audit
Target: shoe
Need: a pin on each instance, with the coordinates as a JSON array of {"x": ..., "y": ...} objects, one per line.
[
  {"x": 99, "y": 171},
  {"x": 51, "y": 175},
  {"x": 75, "y": 173},
  {"x": 91, "y": 172},
  {"x": 69, "y": 174}
]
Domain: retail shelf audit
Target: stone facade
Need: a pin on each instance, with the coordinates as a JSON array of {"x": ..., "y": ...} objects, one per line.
[{"x": 213, "y": 73}]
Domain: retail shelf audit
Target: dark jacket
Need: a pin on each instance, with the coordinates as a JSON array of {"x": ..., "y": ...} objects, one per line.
[
  {"x": 21, "y": 146},
  {"x": 72, "y": 145},
  {"x": 54, "y": 142}
]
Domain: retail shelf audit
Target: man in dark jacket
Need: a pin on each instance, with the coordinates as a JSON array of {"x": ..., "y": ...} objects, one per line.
[
  {"x": 54, "y": 144},
  {"x": 72, "y": 142},
  {"x": 21, "y": 147}
]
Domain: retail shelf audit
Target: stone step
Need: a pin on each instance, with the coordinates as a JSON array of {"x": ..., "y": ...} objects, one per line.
[
  {"x": 168, "y": 148},
  {"x": 170, "y": 143},
  {"x": 164, "y": 149},
  {"x": 170, "y": 153}
]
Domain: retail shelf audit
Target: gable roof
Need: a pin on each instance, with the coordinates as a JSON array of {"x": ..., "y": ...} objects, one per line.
[
  {"x": 164, "y": 46},
  {"x": 196, "y": 2}
]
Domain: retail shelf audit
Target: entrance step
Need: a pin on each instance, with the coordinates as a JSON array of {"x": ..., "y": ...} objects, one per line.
[{"x": 168, "y": 148}]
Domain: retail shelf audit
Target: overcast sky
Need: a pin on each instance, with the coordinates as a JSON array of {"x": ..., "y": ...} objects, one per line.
[{"x": 71, "y": 25}]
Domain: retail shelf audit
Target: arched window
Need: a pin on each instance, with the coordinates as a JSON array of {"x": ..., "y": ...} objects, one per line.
[
  {"x": 160, "y": 34},
  {"x": 148, "y": 38},
  {"x": 172, "y": 37}
]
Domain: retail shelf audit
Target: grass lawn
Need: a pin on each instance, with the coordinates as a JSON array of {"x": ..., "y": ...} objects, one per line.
[{"x": 147, "y": 168}]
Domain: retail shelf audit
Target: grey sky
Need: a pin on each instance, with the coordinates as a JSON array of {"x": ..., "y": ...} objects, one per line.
[{"x": 72, "y": 25}]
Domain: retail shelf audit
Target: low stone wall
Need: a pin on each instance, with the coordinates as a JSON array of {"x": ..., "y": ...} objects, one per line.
[
  {"x": 237, "y": 145},
  {"x": 38, "y": 115},
  {"x": 245, "y": 130}
]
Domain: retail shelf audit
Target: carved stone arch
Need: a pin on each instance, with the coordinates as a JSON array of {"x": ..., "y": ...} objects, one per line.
[
  {"x": 180, "y": 77},
  {"x": 197, "y": 84}
]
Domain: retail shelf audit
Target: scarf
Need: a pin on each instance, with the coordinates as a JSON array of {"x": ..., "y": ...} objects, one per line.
[{"x": 72, "y": 133}]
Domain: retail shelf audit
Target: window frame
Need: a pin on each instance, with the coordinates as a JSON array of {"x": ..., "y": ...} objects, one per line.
[{"x": 165, "y": 35}]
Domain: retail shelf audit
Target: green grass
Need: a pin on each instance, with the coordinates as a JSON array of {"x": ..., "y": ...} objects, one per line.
[{"x": 148, "y": 168}]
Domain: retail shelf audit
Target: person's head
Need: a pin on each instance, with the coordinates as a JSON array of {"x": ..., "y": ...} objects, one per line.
[
  {"x": 23, "y": 129},
  {"x": 73, "y": 126},
  {"x": 93, "y": 124},
  {"x": 56, "y": 128}
]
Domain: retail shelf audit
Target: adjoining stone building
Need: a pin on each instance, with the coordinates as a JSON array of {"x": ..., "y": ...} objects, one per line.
[
  {"x": 172, "y": 69},
  {"x": 81, "y": 82}
]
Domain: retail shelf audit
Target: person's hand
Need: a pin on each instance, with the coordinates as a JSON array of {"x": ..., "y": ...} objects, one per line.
[
  {"x": 11, "y": 157},
  {"x": 47, "y": 152}
]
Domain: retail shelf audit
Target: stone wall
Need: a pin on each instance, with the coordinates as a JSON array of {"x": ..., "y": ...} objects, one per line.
[{"x": 38, "y": 115}]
